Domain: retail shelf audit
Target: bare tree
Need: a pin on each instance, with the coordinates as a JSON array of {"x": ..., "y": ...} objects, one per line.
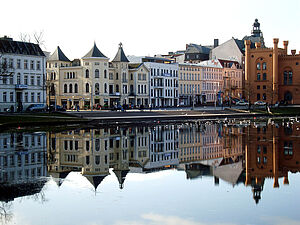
[
  {"x": 37, "y": 37},
  {"x": 6, "y": 70},
  {"x": 5, "y": 212}
]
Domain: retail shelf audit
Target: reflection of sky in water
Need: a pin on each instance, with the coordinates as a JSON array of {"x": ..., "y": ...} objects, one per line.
[{"x": 165, "y": 197}]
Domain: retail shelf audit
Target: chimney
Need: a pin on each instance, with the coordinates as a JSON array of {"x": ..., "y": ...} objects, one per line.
[
  {"x": 216, "y": 43},
  {"x": 285, "y": 44},
  {"x": 257, "y": 44},
  {"x": 293, "y": 52}
]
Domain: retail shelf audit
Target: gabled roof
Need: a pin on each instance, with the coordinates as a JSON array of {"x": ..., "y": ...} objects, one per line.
[
  {"x": 94, "y": 52},
  {"x": 228, "y": 62},
  {"x": 7, "y": 45},
  {"x": 58, "y": 55},
  {"x": 120, "y": 56}
]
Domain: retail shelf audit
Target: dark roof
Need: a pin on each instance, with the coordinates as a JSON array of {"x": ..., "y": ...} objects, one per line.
[
  {"x": 17, "y": 47},
  {"x": 120, "y": 56},
  {"x": 240, "y": 44},
  {"x": 134, "y": 65},
  {"x": 94, "y": 52},
  {"x": 194, "y": 48},
  {"x": 58, "y": 55},
  {"x": 95, "y": 180}
]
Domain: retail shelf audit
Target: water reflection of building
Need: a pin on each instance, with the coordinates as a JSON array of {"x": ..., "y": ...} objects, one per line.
[
  {"x": 94, "y": 151},
  {"x": 22, "y": 163},
  {"x": 271, "y": 152}
]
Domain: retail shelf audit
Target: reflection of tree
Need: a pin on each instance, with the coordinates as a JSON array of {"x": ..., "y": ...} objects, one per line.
[{"x": 5, "y": 212}]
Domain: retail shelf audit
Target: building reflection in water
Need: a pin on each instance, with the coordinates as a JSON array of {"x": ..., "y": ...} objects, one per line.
[{"x": 238, "y": 154}]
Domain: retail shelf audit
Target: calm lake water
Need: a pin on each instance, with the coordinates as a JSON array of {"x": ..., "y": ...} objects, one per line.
[{"x": 232, "y": 172}]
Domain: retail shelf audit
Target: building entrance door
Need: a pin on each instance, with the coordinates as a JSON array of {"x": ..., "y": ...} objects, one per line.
[{"x": 19, "y": 102}]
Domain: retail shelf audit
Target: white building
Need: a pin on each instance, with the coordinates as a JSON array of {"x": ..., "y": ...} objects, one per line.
[
  {"x": 163, "y": 80},
  {"x": 25, "y": 83}
]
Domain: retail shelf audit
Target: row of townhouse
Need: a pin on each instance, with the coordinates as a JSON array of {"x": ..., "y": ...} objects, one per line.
[{"x": 94, "y": 80}]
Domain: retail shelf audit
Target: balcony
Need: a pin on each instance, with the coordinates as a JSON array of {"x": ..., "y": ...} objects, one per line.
[{"x": 21, "y": 86}]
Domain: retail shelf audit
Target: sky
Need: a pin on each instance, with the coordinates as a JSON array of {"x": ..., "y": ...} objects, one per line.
[{"x": 147, "y": 27}]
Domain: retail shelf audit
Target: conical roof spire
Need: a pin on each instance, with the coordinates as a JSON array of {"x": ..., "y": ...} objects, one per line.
[
  {"x": 120, "y": 56},
  {"x": 58, "y": 55},
  {"x": 94, "y": 52}
]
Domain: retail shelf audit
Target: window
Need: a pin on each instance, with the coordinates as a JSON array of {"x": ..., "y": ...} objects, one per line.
[
  {"x": 18, "y": 63},
  {"x": 65, "y": 88},
  {"x": 97, "y": 89},
  {"x": 32, "y": 97},
  {"x": 105, "y": 88},
  {"x": 288, "y": 77},
  {"x": 26, "y": 79},
  {"x": 258, "y": 76},
  {"x": 19, "y": 78},
  {"x": 96, "y": 73},
  {"x": 264, "y": 87},
  {"x": 258, "y": 97},
  {"x": 11, "y": 63},
  {"x": 258, "y": 66},
  {"x": 264, "y": 66},
  {"x": 11, "y": 96},
  {"x": 105, "y": 74},
  {"x": 87, "y": 73},
  {"x": 75, "y": 88},
  {"x": 32, "y": 65},
  {"x": 38, "y": 81},
  {"x": 26, "y": 97},
  {"x": 131, "y": 76},
  {"x": 32, "y": 80},
  {"x": 264, "y": 76},
  {"x": 38, "y": 65},
  {"x": 97, "y": 159},
  {"x": 4, "y": 97},
  {"x": 70, "y": 88},
  {"x": 117, "y": 88},
  {"x": 111, "y": 76},
  {"x": 87, "y": 88},
  {"x": 264, "y": 96},
  {"x": 117, "y": 76},
  {"x": 258, "y": 87},
  {"x": 39, "y": 97}
]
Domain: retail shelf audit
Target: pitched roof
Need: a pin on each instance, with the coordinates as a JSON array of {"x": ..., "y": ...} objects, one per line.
[
  {"x": 94, "y": 52},
  {"x": 58, "y": 55},
  {"x": 7, "y": 45},
  {"x": 194, "y": 48},
  {"x": 120, "y": 56},
  {"x": 134, "y": 65}
]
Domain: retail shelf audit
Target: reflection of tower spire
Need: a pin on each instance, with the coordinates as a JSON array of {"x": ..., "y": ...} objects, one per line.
[
  {"x": 95, "y": 180},
  {"x": 286, "y": 180},
  {"x": 121, "y": 175}
]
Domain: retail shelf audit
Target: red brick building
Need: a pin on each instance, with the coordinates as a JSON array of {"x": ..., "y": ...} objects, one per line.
[{"x": 271, "y": 74}]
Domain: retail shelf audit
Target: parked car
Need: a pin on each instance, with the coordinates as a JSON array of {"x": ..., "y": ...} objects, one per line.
[
  {"x": 242, "y": 102},
  {"x": 260, "y": 103},
  {"x": 58, "y": 108},
  {"x": 36, "y": 108}
]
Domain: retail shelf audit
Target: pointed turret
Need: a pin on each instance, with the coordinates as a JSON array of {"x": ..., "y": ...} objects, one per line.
[
  {"x": 120, "y": 56},
  {"x": 58, "y": 55},
  {"x": 95, "y": 180},
  {"x": 94, "y": 52},
  {"x": 121, "y": 175}
]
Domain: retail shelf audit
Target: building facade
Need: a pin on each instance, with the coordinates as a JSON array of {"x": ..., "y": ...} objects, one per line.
[
  {"x": 23, "y": 81},
  {"x": 190, "y": 84},
  {"x": 271, "y": 74}
]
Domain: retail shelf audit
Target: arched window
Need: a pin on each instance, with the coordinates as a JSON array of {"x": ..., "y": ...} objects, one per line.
[
  {"x": 87, "y": 88},
  {"x": 96, "y": 73},
  {"x": 258, "y": 66},
  {"x": 70, "y": 88},
  {"x": 105, "y": 88},
  {"x": 87, "y": 73},
  {"x": 65, "y": 88},
  {"x": 97, "y": 89},
  {"x": 52, "y": 90},
  {"x": 117, "y": 88},
  {"x": 264, "y": 66},
  {"x": 288, "y": 77},
  {"x": 76, "y": 88},
  {"x": 105, "y": 74}
]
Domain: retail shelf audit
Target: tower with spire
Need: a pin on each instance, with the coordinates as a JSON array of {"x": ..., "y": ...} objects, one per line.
[{"x": 119, "y": 69}]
